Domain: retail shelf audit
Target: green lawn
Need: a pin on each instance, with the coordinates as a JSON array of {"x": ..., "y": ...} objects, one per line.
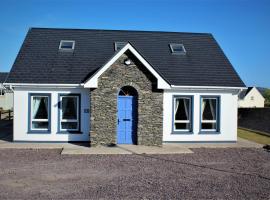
[{"x": 255, "y": 137}]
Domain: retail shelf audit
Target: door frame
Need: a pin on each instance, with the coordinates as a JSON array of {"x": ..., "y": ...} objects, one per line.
[{"x": 134, "y": 135}]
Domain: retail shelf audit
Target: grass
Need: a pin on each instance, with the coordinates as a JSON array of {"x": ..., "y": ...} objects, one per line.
[{"x": 252, "y": 136}]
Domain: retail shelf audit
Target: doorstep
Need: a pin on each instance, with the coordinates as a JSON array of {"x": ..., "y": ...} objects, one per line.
[{"x": 127, "y": 149}]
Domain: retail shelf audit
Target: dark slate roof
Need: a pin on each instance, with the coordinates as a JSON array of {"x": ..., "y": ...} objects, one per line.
[
  {"x": 39, "y": 60},
  {"x": 3, "y": 76},
  {"x": 244, "y": 93}
]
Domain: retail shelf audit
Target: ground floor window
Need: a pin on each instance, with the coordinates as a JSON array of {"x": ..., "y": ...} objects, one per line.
[
  {"x": 39, "y": 112},
  {"x": 69, "y": 112},
  {"x": 182, "y": 114},
  {"x": 210, "y": 114}
]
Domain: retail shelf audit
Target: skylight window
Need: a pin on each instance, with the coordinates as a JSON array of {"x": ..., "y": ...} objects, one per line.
[
  {"x": 177, "y": 49},
  {"x": 67, "y": 45},
  {"x": 119, "y": 45}
]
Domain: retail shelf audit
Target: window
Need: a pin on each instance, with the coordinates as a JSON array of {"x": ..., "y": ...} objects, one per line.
[
  {"x": 40, "y": 112},
  {"x": 177, "y": 49},
  {"x": 182, "y": 114},
  {"x": 119, "y": 45},
  {"x": 67, "y": 45},
  {"x": 252, "y": 98},
  {"x": 209, "y": 113},
  {"x": 69, "y": 112}
]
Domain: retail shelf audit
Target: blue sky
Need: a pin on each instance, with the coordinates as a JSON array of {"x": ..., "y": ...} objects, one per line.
[{"x": 242, "y": 27}]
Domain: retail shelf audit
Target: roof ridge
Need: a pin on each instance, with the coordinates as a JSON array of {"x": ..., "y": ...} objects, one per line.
[{"x": 119, "y": 30}]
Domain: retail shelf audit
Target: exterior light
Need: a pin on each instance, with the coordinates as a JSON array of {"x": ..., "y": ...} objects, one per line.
[{"x": 127, "y": 62}]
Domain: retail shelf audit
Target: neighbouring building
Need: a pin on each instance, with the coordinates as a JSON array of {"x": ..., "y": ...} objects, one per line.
[
  {"x": 251, "y": 98},
  {"x": 123, "y": 87},
  {"x": 6, "y": 95}
]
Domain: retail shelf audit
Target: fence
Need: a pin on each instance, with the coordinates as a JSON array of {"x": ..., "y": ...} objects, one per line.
[
  {"x": 257, "y": 119},
  {"x": 6, "y": 114}
]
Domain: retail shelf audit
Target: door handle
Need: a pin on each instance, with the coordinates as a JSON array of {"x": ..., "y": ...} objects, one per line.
[{"x": 126, "y": 119}]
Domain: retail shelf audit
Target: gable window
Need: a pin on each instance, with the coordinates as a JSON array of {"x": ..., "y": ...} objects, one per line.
[
  {"x": 177, "y": 48},
  {"x": 69, "y": 112},
  {"x": 252, "y": 98},
  {"x": 119, "y": 45},
  {"x": 182, "y": 114},
  {"x": 40, "y": 105},
  {"x": 210, "y": 114},
  {"x": 67, "y": 45}
]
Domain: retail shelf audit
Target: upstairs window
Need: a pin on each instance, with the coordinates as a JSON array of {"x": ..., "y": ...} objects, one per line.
[
  {"x": 119, "y": 45},
  {"x": 67, "y": 45},
  {"x": 177, "y": 49}
]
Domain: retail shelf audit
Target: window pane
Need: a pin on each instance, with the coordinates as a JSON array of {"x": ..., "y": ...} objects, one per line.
[
  {"x": 69, "y": 108},
  {"x": 182, "y": 126},
  {"x": 119, "y": 45},
  {"x": 209, "y": 126},
  {"x": 69, "y": 125},
  {"x": 66, "y": 45},
  {"x": 40, "y": 125},
  {"x": 209, "y": 109},
  {"x": 182, "y": 109},
  {"x": 40, "y": 107}
]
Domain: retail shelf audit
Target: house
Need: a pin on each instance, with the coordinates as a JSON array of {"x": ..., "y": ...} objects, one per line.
[
  {"x": 6, "y": 95},
  {"x": 251, "y": 98},
  {"x": 123, "y": 87}
]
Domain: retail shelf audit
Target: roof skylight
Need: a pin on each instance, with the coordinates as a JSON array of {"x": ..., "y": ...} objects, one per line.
[
  {"x": 119, "y": 45},
  {"x": 177, "y": 48},
  {"x": 67, "y": 45}
]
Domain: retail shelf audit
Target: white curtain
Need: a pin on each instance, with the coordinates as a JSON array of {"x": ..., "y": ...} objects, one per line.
[
  {"x": 186, "y": 105},
  {"x": 203, "y": 105},
  {"x": 176, "y": 106},
  {"x": 36, "y": 103},
  {"x": 212, "y": 107}
]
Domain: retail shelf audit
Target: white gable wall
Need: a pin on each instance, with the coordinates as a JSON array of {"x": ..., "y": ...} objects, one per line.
[
  {"x": 253, "y": 99},
  {"x": 20, "y": 131},
  {"x": 228, "y": 117}
]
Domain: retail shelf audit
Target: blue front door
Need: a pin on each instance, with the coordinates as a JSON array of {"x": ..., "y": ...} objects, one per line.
[{"x": 126, "y": 129}]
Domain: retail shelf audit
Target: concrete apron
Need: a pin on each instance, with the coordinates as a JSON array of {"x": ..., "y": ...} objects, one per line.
[{"x": 180, "y": 148}]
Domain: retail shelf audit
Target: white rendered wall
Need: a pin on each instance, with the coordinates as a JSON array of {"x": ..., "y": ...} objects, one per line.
[
  {"x": 228, "y": 118},
  {"x": 253, "y": 99},
  {"x": 20, "y": 126}
]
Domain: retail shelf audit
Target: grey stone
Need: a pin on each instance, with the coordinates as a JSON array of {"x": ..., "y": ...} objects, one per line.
[{"x": 104, "y": 103}]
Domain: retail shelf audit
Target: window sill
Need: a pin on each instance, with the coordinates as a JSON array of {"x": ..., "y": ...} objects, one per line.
[
  {"x": 209, "y": 133},
  {"x": 69, "y": 132},
  {"x": 182, "y": 133},
  {"x": 38, "y": 132}
]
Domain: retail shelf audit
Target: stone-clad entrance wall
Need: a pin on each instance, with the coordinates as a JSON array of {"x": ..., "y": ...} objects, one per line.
[{"x": 104, "y": 103}]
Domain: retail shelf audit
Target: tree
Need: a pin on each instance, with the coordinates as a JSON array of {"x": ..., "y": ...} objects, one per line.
[{"x": 266, "y": 95}]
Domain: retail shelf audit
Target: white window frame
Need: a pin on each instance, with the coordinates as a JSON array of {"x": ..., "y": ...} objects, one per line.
[
  {"x": 216, "y": 121},
  {"x": 70, "y": 120},
  {"x": 182, "y": 121},
  {"x": 39, "y": 120},
  {"x": 67, "y": 49},
  {"x": 119, "y": 43},
  {"x": 172, "y": 45}
]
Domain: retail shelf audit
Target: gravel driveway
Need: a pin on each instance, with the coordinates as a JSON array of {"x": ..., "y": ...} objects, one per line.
[{"x": 206, "y": 174}]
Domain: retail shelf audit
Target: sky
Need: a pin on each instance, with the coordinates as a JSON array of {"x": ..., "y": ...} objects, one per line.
[{"x": 241, "y": 27}]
